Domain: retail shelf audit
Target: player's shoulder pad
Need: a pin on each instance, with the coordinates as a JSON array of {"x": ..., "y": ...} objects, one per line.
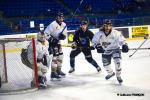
[
  {"x": 77, "y": 31},
  {"x": 89, "y": 31},
  {"x": 50, "y": 25},
  {"x": 63, "y": 23},
  {"x": 116, "y": 32},
  {"x": 53, "y": 23},
  {"x": 100, "y": 32},
  {"x": 46, "y": 42}
]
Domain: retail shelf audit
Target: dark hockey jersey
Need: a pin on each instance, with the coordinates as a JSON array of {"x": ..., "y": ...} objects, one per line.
[{"x": 82, "y": 39}]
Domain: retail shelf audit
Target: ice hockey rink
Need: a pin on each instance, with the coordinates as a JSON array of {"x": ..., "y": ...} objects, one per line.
[{"x": 87, "y": 84}]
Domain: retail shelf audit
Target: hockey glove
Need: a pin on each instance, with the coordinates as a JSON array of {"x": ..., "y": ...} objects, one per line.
[
  {"x": 73, "y": 46},
  {"x": 125, "y": 48},
  {"x": 99, "y": 48},
  {"x": 52, "y": 41},
  {"x": 92, "y": 48},
  {"x": 61, "y": 36}
]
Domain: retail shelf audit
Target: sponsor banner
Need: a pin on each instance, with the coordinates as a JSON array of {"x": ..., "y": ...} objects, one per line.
[
  {"x": 30, "y": 36},
  {"x": 70, "y": 36},
  {"x": 139, "y": 31}
]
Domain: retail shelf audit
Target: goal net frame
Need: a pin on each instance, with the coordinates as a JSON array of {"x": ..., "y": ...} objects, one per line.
[{"x": 4, "y": 80}]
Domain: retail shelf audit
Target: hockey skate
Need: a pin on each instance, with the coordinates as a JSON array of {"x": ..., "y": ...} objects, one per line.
[
  {"x": 109, "y": 76},
  {"x": 54, "y": 76},
  {"x": 42, "y": 81},
  {"x": 98, "y": 69},
  {"x": 60, "y": 73},
  {"x": 71, "y": 70},
  {"x": 119, "y": 80}
]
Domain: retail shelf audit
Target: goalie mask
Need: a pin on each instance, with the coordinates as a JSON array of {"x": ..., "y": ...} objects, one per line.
[{"x": 41, "y": 36}]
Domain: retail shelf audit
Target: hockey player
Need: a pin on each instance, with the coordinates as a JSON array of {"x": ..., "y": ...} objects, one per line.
[
  {"x": 42, "y": 56},
  {"x": 81, "y": 43},
  {"x": 55, "y": 32},
  {"x": 108, "y": 41}
]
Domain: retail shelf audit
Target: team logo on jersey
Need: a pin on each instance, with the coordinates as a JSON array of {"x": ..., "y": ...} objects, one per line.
[
  {"x": 105, "y": 44},
  {"x": 83, "y": 41}
]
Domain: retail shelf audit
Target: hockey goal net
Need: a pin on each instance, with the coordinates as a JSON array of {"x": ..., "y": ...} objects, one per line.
[{"x": 16, "y": 77}]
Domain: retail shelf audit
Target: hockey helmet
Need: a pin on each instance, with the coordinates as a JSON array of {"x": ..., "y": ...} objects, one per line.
[
  {"x": 59, "y": 14},
  {"x": 84, "y": 23},
  {"x": 107, "y": 22},
  {"x": 60, "y": 17}
]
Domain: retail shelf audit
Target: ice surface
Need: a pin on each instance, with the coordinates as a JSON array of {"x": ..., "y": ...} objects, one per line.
[{"x": 87, "y": 84}]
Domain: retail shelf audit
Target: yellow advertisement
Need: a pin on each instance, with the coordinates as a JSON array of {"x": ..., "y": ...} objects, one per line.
[
  {"x": 139, "y": 31},
  {"x": 70, "y": 37},
  {"x": 30, "y": 36}
]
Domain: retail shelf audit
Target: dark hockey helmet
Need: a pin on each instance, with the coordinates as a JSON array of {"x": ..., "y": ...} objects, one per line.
[
  {"x": 59, "y": 17},
  {"x": 84, "y": 22},
  {"x": 107, "y": 22},
  {"x": 107, "y": 26},
  {"x": 59, "y": 14}
]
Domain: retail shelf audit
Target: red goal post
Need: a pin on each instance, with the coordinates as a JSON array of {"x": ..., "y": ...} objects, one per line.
[{"x": 16, "y": 77}]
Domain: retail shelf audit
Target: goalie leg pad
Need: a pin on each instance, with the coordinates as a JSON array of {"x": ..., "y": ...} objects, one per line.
[
  {"x": 25, "y": 60},
  {"x": 42, "y": 70}
]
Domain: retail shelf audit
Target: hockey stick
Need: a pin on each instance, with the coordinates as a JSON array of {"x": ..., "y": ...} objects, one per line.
[
  {"x": 77, "y": 8},
  {"x": 73, "y": 14},
  {"x": 138, "y": 47}
]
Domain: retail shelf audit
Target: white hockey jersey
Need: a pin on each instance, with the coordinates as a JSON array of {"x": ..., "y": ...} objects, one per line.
[
  {"x": 54, "y": 29},
  {"x": 41, "y": 50},
  {"x": 113, "y": 41}
]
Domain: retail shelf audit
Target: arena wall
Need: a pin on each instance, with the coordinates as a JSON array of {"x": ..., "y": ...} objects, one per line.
[{"x": 130, "y": 32}]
